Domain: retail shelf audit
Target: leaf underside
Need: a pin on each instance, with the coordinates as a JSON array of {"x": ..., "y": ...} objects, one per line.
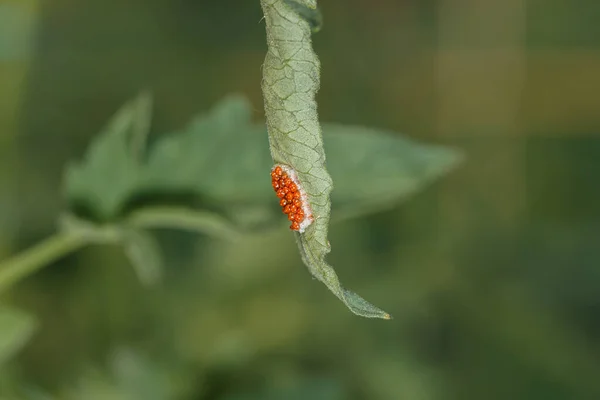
[{"x": 291, "y": 74}]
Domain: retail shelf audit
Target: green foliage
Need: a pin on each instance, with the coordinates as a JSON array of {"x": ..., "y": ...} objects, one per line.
[
  {"x": 375, "y": 169},
  {"x": 112, "y": 167},
  {"x": 144, "y": 254},
  {"x": 212, "y": 177},
  {"x": 492, "y": 276},
  {"x": 199, "y": 179},
  {"x": 220, "y": 162}
]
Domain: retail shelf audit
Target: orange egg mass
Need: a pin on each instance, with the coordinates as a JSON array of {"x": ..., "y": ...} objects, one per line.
[{"x": 292, "y": 200}]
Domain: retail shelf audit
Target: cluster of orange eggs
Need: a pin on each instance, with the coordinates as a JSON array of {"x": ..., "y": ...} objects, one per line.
[{"x": 290, "y": 197}]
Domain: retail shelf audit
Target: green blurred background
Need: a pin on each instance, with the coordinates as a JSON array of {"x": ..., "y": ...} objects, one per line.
[{"x": 492, "y": 273}]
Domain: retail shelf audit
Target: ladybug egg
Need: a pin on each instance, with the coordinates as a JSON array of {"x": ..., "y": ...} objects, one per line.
[{"x": 289, "y": 191}]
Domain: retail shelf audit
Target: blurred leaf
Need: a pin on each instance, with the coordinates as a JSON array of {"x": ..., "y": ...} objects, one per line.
[
  {"x": 223, "y": 159},
  {"x": 16, "y": 328},
  {"x": 111, "y": 171},
  {"x": 371, "y": 168},
  {"x": 144, "y": 254},
  {"x": 213, "y": 157},
  {"x": 374, "y": 168}
]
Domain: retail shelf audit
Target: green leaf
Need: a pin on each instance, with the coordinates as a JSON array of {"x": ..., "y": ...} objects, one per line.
[
  {"x": 16, "y": 328},
  {"x": 374, "y": 169},
  {"x": 110, "y": 172},
  {"x": 211, "y": 157},
  {"x": 144, "y": 254},
  {"x": 290, "y": 83},
  {"x": 222, "y": 158}
]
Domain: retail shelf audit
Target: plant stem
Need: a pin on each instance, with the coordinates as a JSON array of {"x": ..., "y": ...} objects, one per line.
[
  {"x": 183, "y": 219},
  {"x": 39, "y": 256}
]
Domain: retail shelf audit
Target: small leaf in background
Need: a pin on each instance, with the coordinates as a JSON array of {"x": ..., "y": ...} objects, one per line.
[
  {"x": 110, "y": 171},
  {"x": 144, "y": 254},
  {"x": 211, "y": 157},
  {"x": 16, "y": 328},
  {"x": 374, "y": 168}
]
